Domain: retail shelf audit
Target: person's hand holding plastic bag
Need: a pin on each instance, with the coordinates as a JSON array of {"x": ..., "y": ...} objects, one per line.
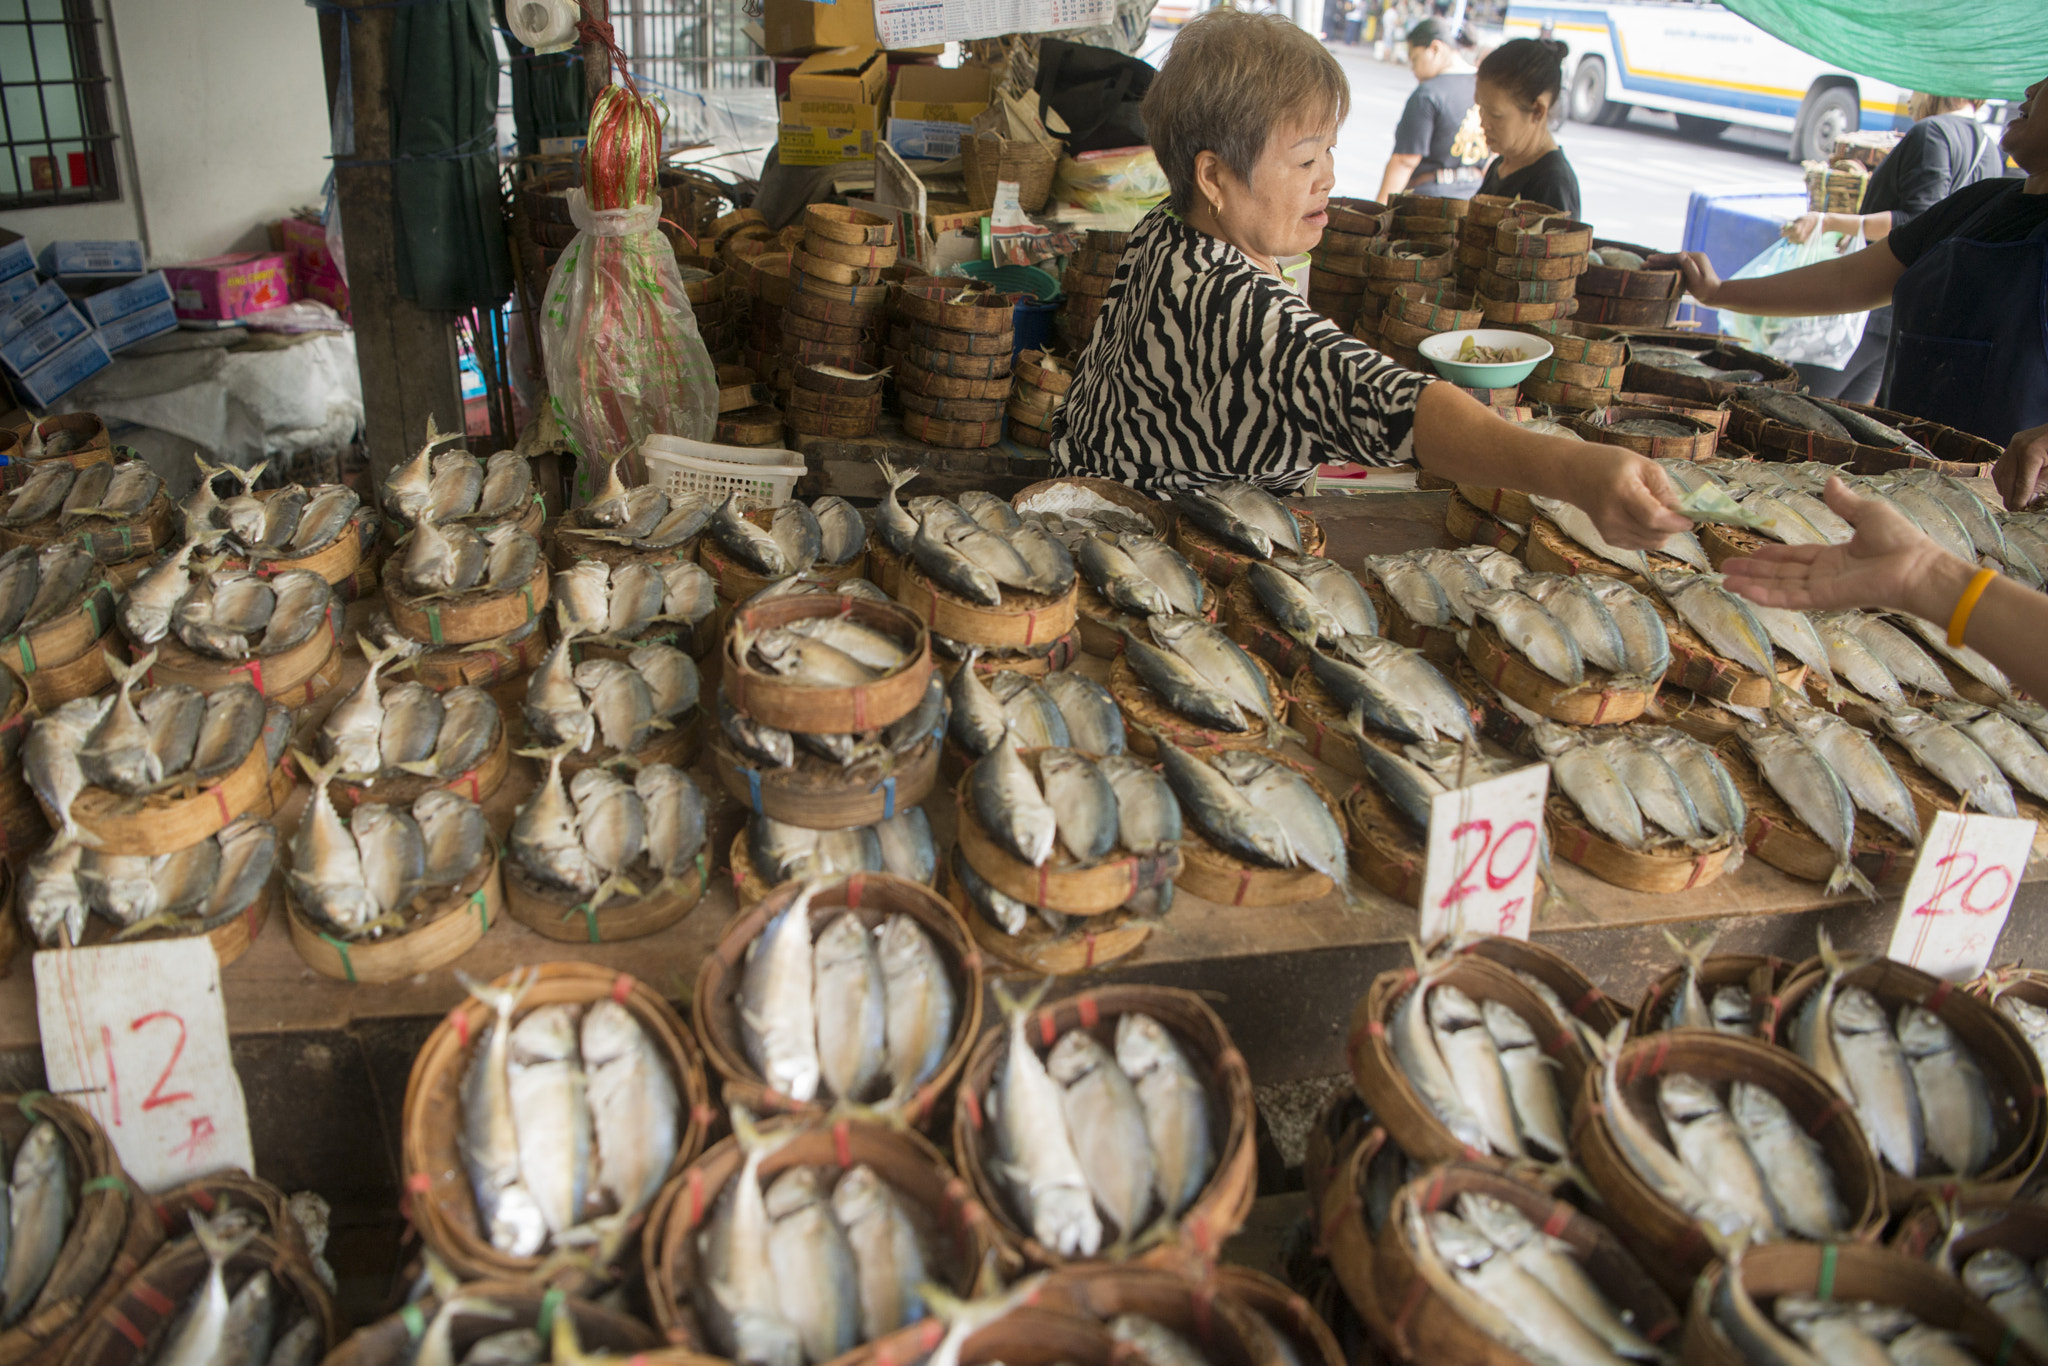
[{"x": 1825, "y": 341}]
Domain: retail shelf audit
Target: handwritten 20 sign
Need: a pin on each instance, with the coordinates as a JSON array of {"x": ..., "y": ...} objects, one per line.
[
  {"x": 1484, "y": 842},
  {"x": 1960, "y": 893},
  {"x": 135, "y": 1035}
]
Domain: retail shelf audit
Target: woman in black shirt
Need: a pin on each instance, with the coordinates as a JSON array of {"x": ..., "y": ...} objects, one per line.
[{"x": 1518, "y": 87}]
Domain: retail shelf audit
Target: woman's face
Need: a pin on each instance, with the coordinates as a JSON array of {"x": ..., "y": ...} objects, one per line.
[
  {"x": 1508, "y": 126},
  {"x": 1282, "y": 211},
  {"x": 2026, "y": 133}
]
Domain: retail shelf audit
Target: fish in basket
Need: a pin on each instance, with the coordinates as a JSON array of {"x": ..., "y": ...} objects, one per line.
[
  {"x": 600, "y": 836},
  {"x": 453, "y": 485},
  {"x": 61, "y": 492},
  {"x": 193, "y": 890},
  {"x": 292, "y": 523},
  {"x": 618, "y": 605},
  {"x": 606, "y": 706},
  {"x": 1062, "y": 710}
]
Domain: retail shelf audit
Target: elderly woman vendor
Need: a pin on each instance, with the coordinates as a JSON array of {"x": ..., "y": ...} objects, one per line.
[{"x": 1207, "y": 365}]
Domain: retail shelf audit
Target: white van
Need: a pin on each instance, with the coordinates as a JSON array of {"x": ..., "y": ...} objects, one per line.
[{"x": 1707, "y": 65}]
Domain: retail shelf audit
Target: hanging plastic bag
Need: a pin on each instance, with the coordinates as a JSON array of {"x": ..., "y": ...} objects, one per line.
[
  {"x": 624, "y": 356},
  {"x": 1826, "y": 341}
]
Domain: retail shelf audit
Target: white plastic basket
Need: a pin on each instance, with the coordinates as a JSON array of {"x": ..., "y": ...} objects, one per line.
[{"x": 678, "y": 466}]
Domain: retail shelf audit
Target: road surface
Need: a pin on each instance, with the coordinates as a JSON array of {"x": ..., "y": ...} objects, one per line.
[{"x": 1636, "y": 180}]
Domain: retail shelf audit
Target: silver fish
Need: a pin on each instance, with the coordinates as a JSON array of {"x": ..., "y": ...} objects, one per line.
[
  {"x": 121, "y": 887},
  {"x": 1412, "y": 587},
  {"x": 1726, "y": 622},
  {"x": 1007, "y": 800},
  {"x": 52, "y": 896},
  {"x": 185, "y": 879},
  {"x": 638, "y": 592},
  {"x": 469, "y": 725},
  {"x": 1554, "y": 1268},
  {"x": 613, "y": 826},
  {"x": 2011, "y": 745},
  {"x": 1262, "y": 510},
  {"x": 1045, "y": 1176},
  {"x": 510, "y": 558},
  {"x": 582, "y": 594},
  {"x": 1108, "y": 1128},
  {"x": 1159, "y": 562},
  {"x": 1094, "y": 724},
  {"x": 635, "y": 1113},
  {"x": 1114, "y": 574},
  {"x": 689, "y": 594},
  {"x": 1052, "y": 566},
  {"x": 1225, "y": 815},
  {"x": 784, "y": 852},
  {"x": 1209, "y": 513},
  {"x": 1955, "y": 1101},
  {"x": 907, "y": 848},
  {"x": 507, "y": 486},
  {"x": 119, "y": 753},
  {"x": 895, "y": 526},
  {"x": 1184, "y": 687},
  {"x": 1862, "y": 767},
  {"x": 842, "y": 533},
  {"x": 42, "y": 495},
  {"x": 1855, "y": 664},
  {"x": 453, "y": 836},
  {"x": 817, "y": 1283},
  {"x": 248, "y": 855},
  {"x": 1224, "y": 663},
  {"x": 684, "y": 522},
  {"x": 393, "y": 856},
  {"x": 412, "y": 724},
  {"x": 1810, "y": 786},
  {"x": 551, "y": 1114},
  {"x": 1148, "y": 816},
  {"x": 201, "y": 1335},
  {"x": 1538, "y": 1109},
  {"x": 252, "y": 1317},
  {"x": 353, "y": 731},
  {"x": 87, "y": 489},
  {"x": 1802, "y": 1184},
  {"x": 65, "y": 575},
  {"x": 889, "y": 1256},
  {"x": 1999, "y": 1278},
  {"x": 1083, "y": 801},
  {"x": 976, "y": 722},
  {"x": 1910, "y": 665},
  {"x": 1468, "y": 1052},
  {"x": 1587, "y": 776},
  {"x": 1948, "y": 752},
  {"x": 675, "y": 818},
  {"x": 777, "y": 1013},
  {"x": 1290, "y": 602},
  {"x": 851, "y": 1012},
  {"x": 554, "y": 706},
  {"x": 457, "y": 482},
  {"x": 921, "y": 1005},
  {"x": 1314, "y": 837},
  {"x": 489, "y": 1139},
  {"x": 755, "y": 549},
  {"x": 620, "y": 700},
  {"x": 1709, "y": 1143},
  {"x": 408, "y": 488},
  {"x": 1721, "y": 808},
  {"x": 989, "y": 511},
  {"x": 146, "y": 610},
  {"x": 1571, "y": 600},
  {"x": 1880, "y": 1079},
  {"x": 2031, "y": 1019},
  {"x": 545, "y": 835},
  {"x": 18, "y": 582},
  {"x": 738, "y": 1292}
]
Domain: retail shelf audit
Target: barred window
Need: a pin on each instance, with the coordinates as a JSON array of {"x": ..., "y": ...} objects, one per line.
[{"x": 53, "y": 106}]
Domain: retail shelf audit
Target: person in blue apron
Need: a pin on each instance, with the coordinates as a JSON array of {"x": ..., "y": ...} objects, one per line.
[{"x": 1968, "y": 285}]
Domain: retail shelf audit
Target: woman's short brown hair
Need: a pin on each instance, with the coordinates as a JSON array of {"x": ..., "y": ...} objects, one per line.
[{"x": 1229, "y": 80}]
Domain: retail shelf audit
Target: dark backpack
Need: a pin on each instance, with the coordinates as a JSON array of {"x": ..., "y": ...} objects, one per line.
[{"x": 1096, "y": 91}]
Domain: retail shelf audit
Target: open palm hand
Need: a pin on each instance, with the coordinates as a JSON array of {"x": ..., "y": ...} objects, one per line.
[{"x": 1878, "y": 567}]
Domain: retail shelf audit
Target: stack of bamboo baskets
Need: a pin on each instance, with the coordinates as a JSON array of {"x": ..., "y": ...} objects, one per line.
[
  {"x": 126, "y": 546},
  {"x": 1086, "y": 284},
  {"x": 1337, "y": 267},
  {"x": 836, "y": 301},
  {"x": 836, "y": 400},
  {"x": 1533, "y": 274},
  {"x": 1413, "y": 312},
  {"x": 707, "y": 284},
  {"x": 1477, "y": 230},
  {"x": 1617, "y": 297},
  {"x": 1038, "y": 390},
  {"x": 954, "y": 380}
]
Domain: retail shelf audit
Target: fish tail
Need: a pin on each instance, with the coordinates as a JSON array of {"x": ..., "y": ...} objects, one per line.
[
  {"x": 565, "y": 1347},
  {"x": 895, "y": 478},
  {"x": 1848, "y": 876},
  {"x": 162, "y": 920},
  {"x": 502, "y": 1000},
  {"x": 746, "y": 1131},
  {"x": 614, "y": 882},
  {"x": 217, "y": 1241},
  {"x": 964, "y": 1317},
  {"x": 1693, "y": 956},
  {"x": 317, "y": 773},
  {"x": 1020, "y": 1005},
  {"x": 124, "y": 674}
]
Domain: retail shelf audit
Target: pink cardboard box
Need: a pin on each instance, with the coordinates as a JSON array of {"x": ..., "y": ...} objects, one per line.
[{"x": 226, "y": 287}]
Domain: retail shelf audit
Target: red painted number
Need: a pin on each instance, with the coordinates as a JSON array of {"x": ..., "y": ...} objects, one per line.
[
  {"x": 1978, "y": 891},
  {"x": 1489, "y": 852},
  {"x": 156, "y": 1093}
]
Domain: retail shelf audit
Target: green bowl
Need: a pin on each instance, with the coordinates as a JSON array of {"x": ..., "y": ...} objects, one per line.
[{"x": 1441, "y": 351}]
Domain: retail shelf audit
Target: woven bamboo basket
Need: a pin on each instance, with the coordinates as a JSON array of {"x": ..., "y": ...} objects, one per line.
[
  {"x": 561, "y": 916},
  {"x": 1362, "y": 217},
  {"x": 111, "y": 541},
  {"x": 284, "y": 676},
  {"x": 1225, "y": 1200},
  {"x": 1696, "y": 668},
  {"x": 1574, "y": 377},
  {"x": 1036, "y": 662},
  {"x": 403, "y": 789},
  {"x": 232, "y": 933},
  {"x": 906, "y": 1160},
  {"x": 1509, "y": 271},
  {"x": 1326, "y": 264},
  {"x": 1851, "y": 1273},
  {"x": 1438, "y": 209},
  {"x": 810, "y": 269},
  {"x": 451, "y": 666},
  {"x": 1508, "y": 289},
  {"x": 749, "y": 886},
  {"x": 1386, "y": 1088},
  {"x": 1387, "y": 851},
  {"x": 443, "y": 1205},
  {"x": 1468, "y": 525},
  {"x": 1146, "y": 714},
  {"x": 572, "y": 543},
  {"x": 1779, "y": 838},
  {"x": 1506, "y": 312},
  {"x": 1581, "y": 998},
  {"x": 990, "y": 159},
  {"x": 1089, "y": 943},
  {"x": 335, "y": 562},
  {"x": 1569, "y": 397},
  {"x": 1599, "y": 701},
  {"x": 1632, "y": 284},
  {"x": 677, "y": 745},
  {"x": 699, "y": 641},
  {"x": 22, "y": 826},
  {"x": 873, "y": 897},
  {"x": 1433, "y": 307},
  {"x": 113, "y": 1232},
  {"x": 137, "y": 1323},
  {"x": 942, "y": 337},
  {"x": 1577, "y": 343},
  {"x": 2008, "y": 1063},
  {"x": 442, "y": 925},
  {"x": 1528, "y": 234},
  {"x": 64, "y": 637},
  {"x": 1663, "y": 870},
  {"x": 469, "y": 618},
  {"x": 1342, "y": 1168},
  {"x": 1282, "y": 1312},
  {"x": 230, "y": 1189},
  {"x": 1245, "y": 620},
  {"x": 1672, "y": 1244},
  {"x": 819, "y": 795},
  {"x": 963, "y": 364},
  {"x": 1214, "y": 875},
  {"x": 1023, "y": 619},
  {"x": 1758, "y": 974},
  {"x": 1599, "y": 425},
  {"x": 91, "y": 433},
  {"x": 1060, "y": 884},
  {"x": 2019, "y": 1228},
  {"x": 950, "y": 307},
  {"x": 1606, "y": 310},
  {"x": 1220, "y": 564},
  {"x": 163, "y": 823},
  {"x": 787, "y": 705},
  {"x": 393, "y": 1340},
  {"x": 855, "y": 227},
  {"x": 1430, "y": 1321},
  {"x": 1429, "y": 263},
  {"x": 1224, "y": 1330},
  {"x": 1722, "y": 355}
]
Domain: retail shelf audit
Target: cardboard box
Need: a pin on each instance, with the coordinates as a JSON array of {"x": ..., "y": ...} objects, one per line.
[
  {"x": 65, "y": 371},
  {"x": 936, "y": 94},
  {"x": 93, "y": 258},
  {"x": 15, "y": 257},
  {"x": 222, "y": 288},
  {"x": 38, "y": 305},
  {"x": 118, "y": 301},
  {"x": 834, "y": 108},
  {"x": 33, "y": 345},
  {"x": 328, "y": 288},
  {"x": 844, "y": 76},
  {"x": 15, "y": 288},
  {"x": 793, "y": 28},
  {"x": 810, "y": 144},
  {"x": 153, "y": 321}
]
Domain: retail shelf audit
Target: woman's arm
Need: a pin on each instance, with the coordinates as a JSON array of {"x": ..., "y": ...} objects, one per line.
[
  {"x": 1855, "y": 283},
  {"x": 1892, "y": 564},
  {"x": 1394, "y": 180},
  {"x": 1627, "y": 496},
  {"x": 1875, "y": 227}
]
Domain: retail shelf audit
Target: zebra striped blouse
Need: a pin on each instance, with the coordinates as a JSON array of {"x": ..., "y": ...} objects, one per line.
[{"x": 1205, "y": 368}]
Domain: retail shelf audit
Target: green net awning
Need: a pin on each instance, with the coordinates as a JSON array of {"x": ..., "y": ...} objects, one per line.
[{"x": 1981, "y": 49}]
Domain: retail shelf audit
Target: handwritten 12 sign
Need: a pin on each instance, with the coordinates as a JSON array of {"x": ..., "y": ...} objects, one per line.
[
  {"x": 135, "y": 1035},
  {"x": 1484, "y": 842},
  {"x": 1956, "y": 903}
]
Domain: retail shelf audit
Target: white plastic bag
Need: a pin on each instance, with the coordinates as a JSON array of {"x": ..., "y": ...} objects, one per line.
[
  {"x": 624, "y": 356},
  {"x": 1826, "y": 341}
]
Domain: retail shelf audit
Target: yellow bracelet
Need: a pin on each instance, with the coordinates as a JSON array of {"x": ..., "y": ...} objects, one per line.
[{"x": 1966, "y": 604}]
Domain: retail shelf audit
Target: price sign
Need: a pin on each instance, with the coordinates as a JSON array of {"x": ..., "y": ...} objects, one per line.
[
  {"x": 135, "y": 1034},
  {"x": 1483, "y": 846},
  {"x": 1960, "y": 893}
]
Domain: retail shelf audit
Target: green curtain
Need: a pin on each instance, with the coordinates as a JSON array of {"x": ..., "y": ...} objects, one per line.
[
  {"x": 452, "y": 253},
  {"x": 1975, "y": 49},
  {"x": 547, "y": 93}
]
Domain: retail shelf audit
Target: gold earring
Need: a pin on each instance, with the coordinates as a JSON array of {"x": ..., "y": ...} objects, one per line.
[{"x": 1216, "y": 207}]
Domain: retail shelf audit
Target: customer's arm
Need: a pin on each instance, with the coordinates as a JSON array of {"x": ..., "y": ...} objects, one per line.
[
  {"x": 1855, "y": 283},
  {"x": 1892, "y": 564},
  {"x": 1394, "y": 180}
]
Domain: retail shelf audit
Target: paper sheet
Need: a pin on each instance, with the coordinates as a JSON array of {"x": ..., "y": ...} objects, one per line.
[{"x": 920, "y": 23}]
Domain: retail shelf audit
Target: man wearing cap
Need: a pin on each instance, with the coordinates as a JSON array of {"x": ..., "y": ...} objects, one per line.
[{"x": 1439, "y": 147}]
